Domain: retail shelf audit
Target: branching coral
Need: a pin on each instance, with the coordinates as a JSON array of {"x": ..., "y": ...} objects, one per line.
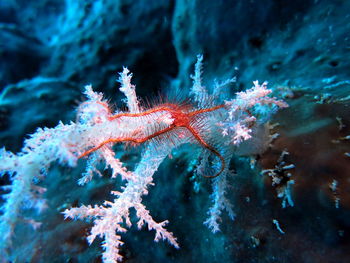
[{"x": 218, "y": 127}]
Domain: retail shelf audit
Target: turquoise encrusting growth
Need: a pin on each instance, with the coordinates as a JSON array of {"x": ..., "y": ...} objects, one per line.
[{"x": 115, "y": 162}]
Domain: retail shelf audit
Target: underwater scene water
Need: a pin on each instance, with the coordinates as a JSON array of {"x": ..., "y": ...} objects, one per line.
[{"x": 175, "y": 131}]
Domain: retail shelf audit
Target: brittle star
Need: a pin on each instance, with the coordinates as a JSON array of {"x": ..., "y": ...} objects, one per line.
[{"x": 181, "y": 119}]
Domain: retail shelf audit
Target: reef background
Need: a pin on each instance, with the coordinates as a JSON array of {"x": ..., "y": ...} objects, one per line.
[{"x": 50, "y": 49}]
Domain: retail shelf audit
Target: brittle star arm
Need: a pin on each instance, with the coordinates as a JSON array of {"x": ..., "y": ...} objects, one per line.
[
  {"x": 126, "y": 139},
  {"x": 210, "y": 148}
]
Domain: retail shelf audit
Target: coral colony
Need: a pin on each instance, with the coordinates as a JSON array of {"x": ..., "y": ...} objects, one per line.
[{"x": 219, "y": 128}]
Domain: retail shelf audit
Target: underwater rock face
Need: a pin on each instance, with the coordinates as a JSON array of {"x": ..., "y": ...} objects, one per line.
[
  {"x": 50, "y": 49},
  {"x": 22, "y": 56},
  {"x": 112, "y": 34}
]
